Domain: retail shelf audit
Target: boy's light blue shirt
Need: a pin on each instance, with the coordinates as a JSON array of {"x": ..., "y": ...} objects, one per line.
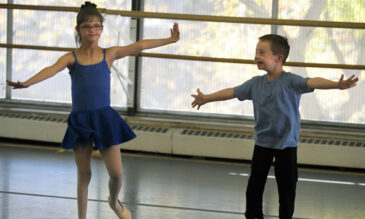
[{"x": 276, "y": 108}]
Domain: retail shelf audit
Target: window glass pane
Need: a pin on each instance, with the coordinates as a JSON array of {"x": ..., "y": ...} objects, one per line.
[
  {"x": 335, "y": 105},
  {"x": 116, "y": 32},
  {"x": 163, "y": 80},
  {"x": 325, "y": 45},
  {"x": 57, "y": 88},
  {"x": 324, "y": 10},
  {"x": 209, "y": 39},
  {"x": 57, "y": 30},
  {"x": 167, "y": 84},
  {"x": 328, "y": 45},
  {"x": 2, "y": 72},
  {"x": 118, "y": 96},
  {"x": 111, "y": 4},
  {"x": 254, "y": 8},
  {"x": 29, "y": 62},
  {"x": 3, "y": 25}
]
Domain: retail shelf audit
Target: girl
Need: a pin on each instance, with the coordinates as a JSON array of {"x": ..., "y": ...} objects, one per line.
[{"x": 92, "y": 120}]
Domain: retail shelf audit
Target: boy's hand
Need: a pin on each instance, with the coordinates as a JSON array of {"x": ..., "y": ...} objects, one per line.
[
  {"x": 349, "y": 83},
  {"x": 175, "y": 34},
  {"x": 17, "y": 84},
  {"x": 198, "y": 99}
]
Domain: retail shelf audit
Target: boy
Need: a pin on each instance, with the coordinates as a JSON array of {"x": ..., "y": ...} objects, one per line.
[{"x": 275, "y": 97}]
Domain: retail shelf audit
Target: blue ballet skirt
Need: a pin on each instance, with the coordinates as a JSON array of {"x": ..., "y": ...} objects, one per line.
[
  {"x": 92, "y": 120},
  {"x": 104, "y": 127}
]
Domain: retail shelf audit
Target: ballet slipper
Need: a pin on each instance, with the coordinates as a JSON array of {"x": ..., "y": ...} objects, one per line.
[{"x": 125, "y": 214}]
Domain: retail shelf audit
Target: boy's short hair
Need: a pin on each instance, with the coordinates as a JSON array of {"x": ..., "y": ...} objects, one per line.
[{"x": 279, "y": 44}]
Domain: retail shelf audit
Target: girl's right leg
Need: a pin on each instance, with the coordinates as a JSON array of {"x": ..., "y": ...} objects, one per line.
[{"x": 82, "y": 159}]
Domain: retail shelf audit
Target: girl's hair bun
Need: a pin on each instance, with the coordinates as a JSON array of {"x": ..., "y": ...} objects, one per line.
[{"x": 88, "y": 4}]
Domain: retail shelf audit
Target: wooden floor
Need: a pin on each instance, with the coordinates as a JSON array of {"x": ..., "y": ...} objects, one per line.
[{"x": 37, "y": 183}]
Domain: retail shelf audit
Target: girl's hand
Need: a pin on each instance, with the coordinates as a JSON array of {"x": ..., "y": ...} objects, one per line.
[
  {"x": 17, "y": 85},
  {"x": 349, "y": 83},
  {"x": 198, "y": 99},
  {"x": 175, "y": 34}
]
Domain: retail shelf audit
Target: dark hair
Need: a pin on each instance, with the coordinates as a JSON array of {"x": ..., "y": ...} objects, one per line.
[
  {"x": 87, "y": 10},
  {"x": 278, "y": 44}
]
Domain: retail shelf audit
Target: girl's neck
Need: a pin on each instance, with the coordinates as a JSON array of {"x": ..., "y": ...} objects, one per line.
[
  {"x": 89, "y": 50},
  {"x": 89, "y": 46}
]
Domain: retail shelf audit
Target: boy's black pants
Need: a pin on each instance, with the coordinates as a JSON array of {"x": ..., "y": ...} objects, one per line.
[{"x": 286, "y": 174}]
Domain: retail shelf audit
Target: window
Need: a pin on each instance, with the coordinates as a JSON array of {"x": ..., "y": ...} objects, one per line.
[
  {"x": 166, "y": 84},
  {"x": 57, "y": 30}
]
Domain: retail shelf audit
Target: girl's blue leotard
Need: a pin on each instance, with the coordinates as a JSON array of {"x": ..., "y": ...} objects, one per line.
[{"x": 92, "y": 119}]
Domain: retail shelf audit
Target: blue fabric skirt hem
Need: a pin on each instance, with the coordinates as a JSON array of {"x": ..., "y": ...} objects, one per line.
[{"x": 102, "y": 127}]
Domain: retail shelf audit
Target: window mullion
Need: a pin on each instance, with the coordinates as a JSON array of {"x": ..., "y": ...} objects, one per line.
[
  {"x": 9, "y": 51},
  {"x": 275, "y": 14}
]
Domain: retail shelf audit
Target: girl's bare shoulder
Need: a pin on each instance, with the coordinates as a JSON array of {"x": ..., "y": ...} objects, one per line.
[{"x": 68, "y": 59}]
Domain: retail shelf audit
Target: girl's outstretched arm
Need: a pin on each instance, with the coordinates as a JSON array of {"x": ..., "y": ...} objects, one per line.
[
  {"x": 118, "y": 52},
  {"x": 321, "y": 83},
  {"x": 201, "y": 99},
  {"x": 47, "y": 72}
]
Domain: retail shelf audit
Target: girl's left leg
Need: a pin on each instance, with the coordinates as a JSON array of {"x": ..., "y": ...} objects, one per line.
[{"x": 113, "y": 162}]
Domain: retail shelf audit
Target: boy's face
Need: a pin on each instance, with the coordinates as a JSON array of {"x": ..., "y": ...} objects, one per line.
[{"x": 264, "y": 57}]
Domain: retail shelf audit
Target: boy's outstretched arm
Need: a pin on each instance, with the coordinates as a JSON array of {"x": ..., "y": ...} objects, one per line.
[
  {"x": 201, "y": 99},
  {"x": 118, "y": 52},
  {"x": 321, "y": 83}
]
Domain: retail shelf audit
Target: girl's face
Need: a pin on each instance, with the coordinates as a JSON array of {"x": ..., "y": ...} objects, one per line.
[
  {"x": 264, "y": 57},
  {"x": 90, "y": 30}
]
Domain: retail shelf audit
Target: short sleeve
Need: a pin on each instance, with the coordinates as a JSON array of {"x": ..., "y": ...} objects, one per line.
[
  {"x": 299, "y": 84},
  {"x": 243, "y": 91}
]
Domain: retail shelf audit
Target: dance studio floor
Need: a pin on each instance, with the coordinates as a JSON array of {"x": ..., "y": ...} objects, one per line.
[{"x": 38, "y": 183}]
